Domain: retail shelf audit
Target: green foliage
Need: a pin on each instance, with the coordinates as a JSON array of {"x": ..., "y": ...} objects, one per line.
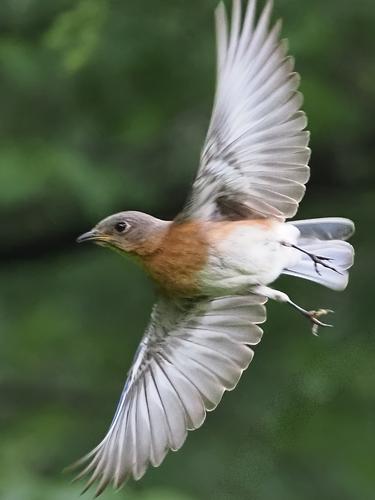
[
  {"x": 76, "y": 33},
  {"x": 104, "y": 106}
]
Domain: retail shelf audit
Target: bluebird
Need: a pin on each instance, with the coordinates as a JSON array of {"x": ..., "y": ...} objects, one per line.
[{"x": 214, "y": 263}]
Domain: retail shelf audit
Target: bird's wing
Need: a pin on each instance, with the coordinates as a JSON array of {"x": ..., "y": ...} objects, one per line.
[
  {"x": 254, "y": 160},
  {"x": 190, "y": 354}
]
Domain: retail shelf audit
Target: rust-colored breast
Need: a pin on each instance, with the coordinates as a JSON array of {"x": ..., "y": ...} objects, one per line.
[{"x": 176, "y": 263}]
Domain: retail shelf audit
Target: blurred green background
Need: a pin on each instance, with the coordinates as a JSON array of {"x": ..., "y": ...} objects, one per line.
[{"x": 103, "y": 107}]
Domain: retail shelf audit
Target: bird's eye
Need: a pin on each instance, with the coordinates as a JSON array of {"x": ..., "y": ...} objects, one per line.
[{"x": 121, "y": 227}]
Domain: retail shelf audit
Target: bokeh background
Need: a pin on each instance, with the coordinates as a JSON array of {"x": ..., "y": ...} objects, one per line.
[{"x": 103, "y": 107}]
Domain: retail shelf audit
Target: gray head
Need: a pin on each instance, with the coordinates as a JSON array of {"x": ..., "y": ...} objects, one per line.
[{"x": 130, "y": 232}]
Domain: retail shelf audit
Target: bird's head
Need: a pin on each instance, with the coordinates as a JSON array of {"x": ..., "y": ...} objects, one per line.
[{"x": 129, "y": 232}]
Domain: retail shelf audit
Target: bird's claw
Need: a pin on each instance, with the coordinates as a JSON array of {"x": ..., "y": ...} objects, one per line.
[
  {"x": 318, "y": 259},
  {"x": 314, "y": 318}
]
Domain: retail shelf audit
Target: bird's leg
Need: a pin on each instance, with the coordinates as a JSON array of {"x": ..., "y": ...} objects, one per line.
[
  {"x": 313, "y": 316},
  {"x": 317, "y": 259}
]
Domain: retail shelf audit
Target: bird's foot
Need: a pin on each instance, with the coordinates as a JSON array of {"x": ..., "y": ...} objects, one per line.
[
  {"x": 318, "y": 259},
  {"x": 314, "y": 316}
]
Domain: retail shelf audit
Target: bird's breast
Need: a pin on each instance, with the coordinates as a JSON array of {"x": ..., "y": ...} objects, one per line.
[{"x": 177, "y": 262}]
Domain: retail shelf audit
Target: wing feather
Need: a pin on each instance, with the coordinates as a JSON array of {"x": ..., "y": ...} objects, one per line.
[
  {"x": 256, "y": 134},
  {"x": 191, "y": 353}
]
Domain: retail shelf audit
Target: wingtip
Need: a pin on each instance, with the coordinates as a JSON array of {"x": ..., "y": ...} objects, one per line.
[
  {"x": 269, "y": 5},
  {"x": 278, "y": 26},
  {"x": 220, "y": 9},
  {"x": 268, "y": 8},
  {"x": 221, "y": 18}
]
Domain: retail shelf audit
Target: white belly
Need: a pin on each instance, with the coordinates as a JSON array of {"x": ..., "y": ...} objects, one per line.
[{"x": 249, "y": 255}]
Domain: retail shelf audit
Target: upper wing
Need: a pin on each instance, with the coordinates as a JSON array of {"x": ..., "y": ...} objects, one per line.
[
  {"x": 190, "y": 354},
  {"x": 254, "y": 160}
]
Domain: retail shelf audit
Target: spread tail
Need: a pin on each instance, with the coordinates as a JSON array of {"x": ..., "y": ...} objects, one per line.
[{"x": 324, "y": 238}]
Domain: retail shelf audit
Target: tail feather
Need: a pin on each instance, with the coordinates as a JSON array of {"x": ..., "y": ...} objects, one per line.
[
  {"x": 324, "y": 238},
  {"x": 328, "y": 228}
]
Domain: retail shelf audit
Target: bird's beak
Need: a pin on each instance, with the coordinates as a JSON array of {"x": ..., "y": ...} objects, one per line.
[{"x": 92, "y": 235}]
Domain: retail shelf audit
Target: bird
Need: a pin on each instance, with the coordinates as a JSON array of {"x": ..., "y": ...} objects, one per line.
[{"x": 214, "y": 263}]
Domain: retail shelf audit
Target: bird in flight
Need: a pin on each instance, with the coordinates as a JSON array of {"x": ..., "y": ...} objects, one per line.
[{"x": 214, "y": 262}]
